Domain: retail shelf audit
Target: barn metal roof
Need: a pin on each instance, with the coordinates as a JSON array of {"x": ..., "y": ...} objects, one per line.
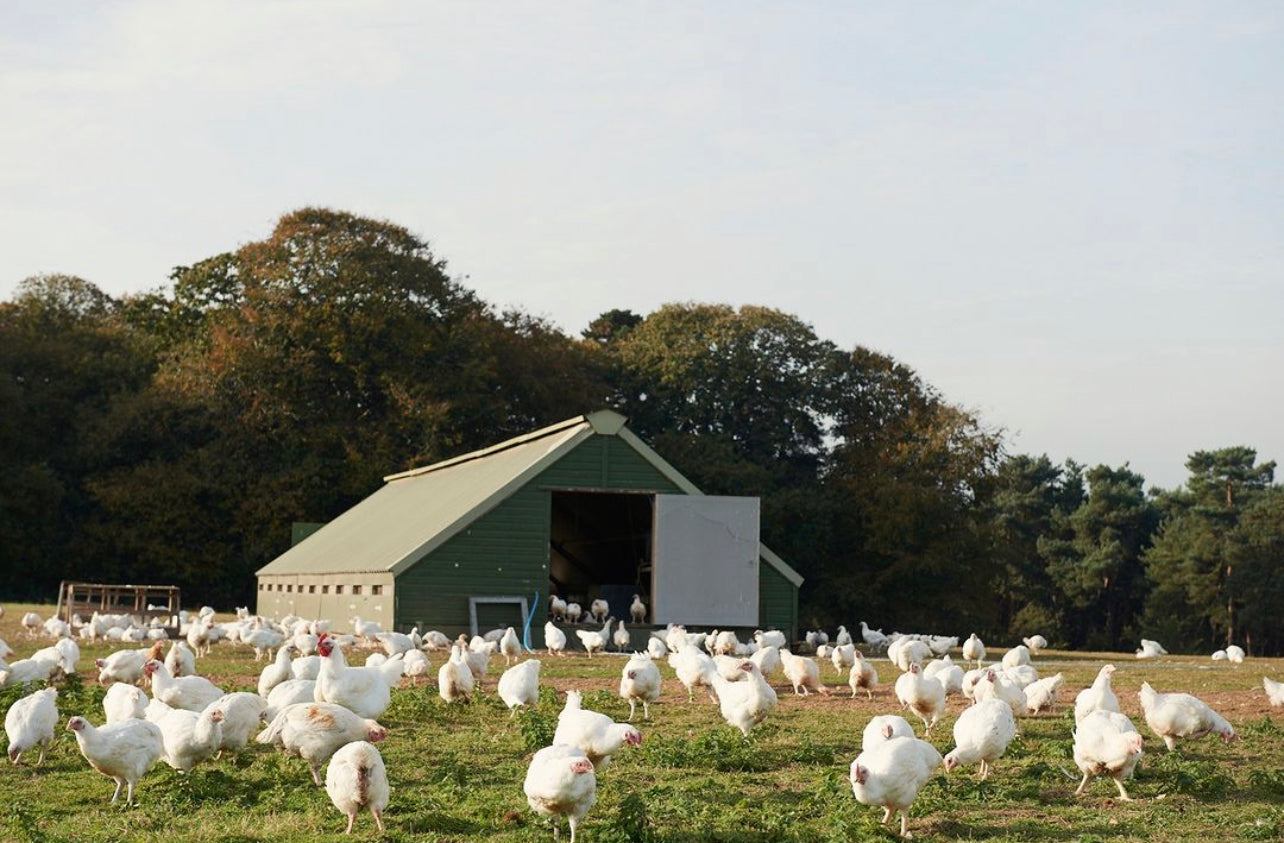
[{"x": 417, "y": 511}]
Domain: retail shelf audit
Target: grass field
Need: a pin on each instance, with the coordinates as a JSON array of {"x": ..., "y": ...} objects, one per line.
[{"x": 457, "y": 771}]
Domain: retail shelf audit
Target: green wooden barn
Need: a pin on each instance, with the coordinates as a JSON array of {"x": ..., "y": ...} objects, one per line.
[{"x": 582, "y": 509}]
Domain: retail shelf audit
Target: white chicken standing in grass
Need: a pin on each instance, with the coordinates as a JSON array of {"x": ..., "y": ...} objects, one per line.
[
  {"x": 1173, "y": 716},
  {"x": 689, "y": 663},
  {"x": 874, "y": 638},
  {"x": 595, "y": 734},
  {"x": 862, "y": 675},
  {"x": 656, "y": 648},
  {"x": 1043, "y": 694},
  {"x": 509, "y": 647},
  {"x": 180, "y": 660},
  {"x": 315, "y": 731},
  {"x": 363, "y": 690},
  {"x": 1150, "y": 650},
  {"x": 242, "y": 717},
  {"x": 640, "y": 680},
  {"x": 191, "y": 693},
  {"x": 1274, "y": 690},
  {"x": 982, "y": 733},
  {"x": 519, "y": 685},
  {"x": 554, "y": 640},
  {"x": 122, "y": 666},
  {"x": 891, "y": 774},
  {"x": 997, "y": 686},
  {"x": 744, "y": 703},
  {"x": 595, "y": 641},
  {"x": 803, "y": 673},
  {"x": 124, "y": 702},
  {"x": 843, "y": 657},
  {"x": 973, "y": 649},
  {"x": 1098, "y": 696},
  {"x": 190, "y": 738},
  {"x": 621, "y": 638},
  {"x": 289, "y": 692},
  {"x": 455, "y": 677},
  {"x": 1106, "y": 743},
  {"x": 904, "y": 652},
  {"x": 30, "y": 723},
  {"x": 1235, "y": 654},
  {"x": 925, "y": 697},
  {"x": 122, "y": 751},
  {"x": 356, "y": 779},
  {"x": 1035, "y": 643},
  {"x": 884, "y": 727},
  {"x": 768, "y": 659},
  {"x": 1018, "y": 655},
  {"x": 561, "y": 781},
  {"x": 277, "y": 672},
  {"x": 945, "y": 671}
]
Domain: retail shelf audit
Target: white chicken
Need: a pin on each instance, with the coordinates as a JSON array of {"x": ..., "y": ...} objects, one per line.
[
  {"x": 561, "y": 781},
  {"x": 982, "y": 733},
  {"x": 891, "y": 774},
  {"x": 874, "y": 638},
  {"x": 621, "y": 638},
  {"x": 305, "y": 667},
  {"x": 596, "y": 734},
  {"x": 264, "y": 641},
  {"x": 190, "y": 693},
  {"x": 843, "y": 637},
  {"x": 595, "y": 641},
  {"x": 1021, "y": 675},
  {"x": 1035, "y": 643},
  {"x": 637, "y": 610},
  {"x": 394, "y": 643},
  {"x": 455, "y": 677},
  {"x": 363, "y": 690},
  {"x": 32, "y": 623},
  {"x": 973, "y": 649},
  {"x": 315, "y": 731},
  {"x": 599, "y": 609},
  {"x": 124, "y": 702},
  {"x": 416, "y": 664},
  {"x": 1098, "y": 696},
  {"x": 1150, "y": 650},
  {"x": 1018, "y": 655},
  {"x": 843, "y": 657},
  {"x": 803, "y": 673},
  {"x": 970, "y": 680},
  {"x": 242, "y": 717},
  {"x": 30, "y": 723},
  {"x": 478, "y": 653},
  {"x": 997, "y": 686},
  {"x": 744, "y": 703},
  {"x": 554, "y": 640},
  {"x": 122, "y": 751},
  {"x": 25, "y": 671},
  {"x": 1235, "y": 654},
  {"x": 862, "y": 675},
  {"x": 366, "y": 630},
  {"x": 289, "y": 692},
  {"x": 509, "y": 647},
  {"x": 434, "y": 640},
  {"x": 1274, "y": 690},
  {"x": 884, "y": 727},
  {"x": 689, "y": 663},
  {"x": 945, "y": 671},
  {"x": 1106, "y": 743},
  {"x": 356, "y": 779},
  {"x": 573, "y": 612},
  {"x": 1043, "y": 694},
  {"x": 519, "y": 685},
  {"x": 904, "y": 652},
  {"x": 640, "y": 680},
  {"x": 190, "y": 738},
  {"x": 655, "y": 648},
  {"x": 556, "y": 607},
  {"x": 277, "y": 672},
  {"x": 180, "y": 660},
  {"x": 1173, "y": 716},
  {"x": 925, "y": 697},
  {"x": 767, "y": 657}
]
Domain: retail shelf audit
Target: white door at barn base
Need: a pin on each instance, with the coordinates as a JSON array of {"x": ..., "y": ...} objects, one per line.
[{"x": 705, "y": 568}]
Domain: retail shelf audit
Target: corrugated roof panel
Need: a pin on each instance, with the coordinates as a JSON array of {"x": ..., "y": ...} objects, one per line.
[{"x": 404, "y": 519}]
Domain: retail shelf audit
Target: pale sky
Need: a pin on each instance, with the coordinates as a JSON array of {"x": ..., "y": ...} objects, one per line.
[{"x": 1067, "y": 217}]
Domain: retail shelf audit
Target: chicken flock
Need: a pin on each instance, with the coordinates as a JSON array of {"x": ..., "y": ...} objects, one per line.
[{"x": 312, "y": 704}]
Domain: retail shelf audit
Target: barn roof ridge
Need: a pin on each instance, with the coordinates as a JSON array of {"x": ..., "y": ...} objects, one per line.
[{"x": 499, "y": 471}]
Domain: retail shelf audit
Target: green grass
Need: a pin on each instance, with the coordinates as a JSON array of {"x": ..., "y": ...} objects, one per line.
[{"x": 457, "y": 770}]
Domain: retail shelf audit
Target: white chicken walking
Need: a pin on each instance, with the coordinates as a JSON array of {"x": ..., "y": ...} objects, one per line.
[
  {"x": 891, "y": 774},
  {"x": 519, "y": 685},
  {"x": 30, "y": 723},
  {"x": 561, "y": 781},
  {"x": 509, "y": 647},
  {"x": 862, "y": 675},
  {"x": 744, "y": 703},
  {"x": 925, "y": 697},
  {"x": 356, "y": 779},
  {"x": 595, "y": 641},
  {"x": 640, "y": 680},
  {"x": 973, "y": 649},
  {"x": 1274, "y": 690},
  {"x": 884, "y": 727},
  {"x": 595, "y": 734},
  {"x": 1099, "y": 696},
  {"x": 982, "y": 733},
  {"x": 1106, "y": 743},
  {"x": 554, "y": 640},
  {"x": 122, "y": 751},
  {"x": 455, "y": 677},
  {"x": 1173, "y": 716},
  {"x": 315, "y": 731}
]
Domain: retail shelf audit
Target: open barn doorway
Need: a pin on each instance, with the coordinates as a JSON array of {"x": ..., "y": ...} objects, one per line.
[{"x": 600, "y": 547}]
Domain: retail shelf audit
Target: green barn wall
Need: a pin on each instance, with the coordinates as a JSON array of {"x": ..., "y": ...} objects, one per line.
[{"x": 505, "y": 552}]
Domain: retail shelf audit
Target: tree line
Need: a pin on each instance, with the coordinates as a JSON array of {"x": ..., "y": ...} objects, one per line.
[{"x": 174, "y": 436}]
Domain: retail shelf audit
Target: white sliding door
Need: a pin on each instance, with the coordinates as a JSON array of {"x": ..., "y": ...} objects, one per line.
[{"x": 705, "y": 560}]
